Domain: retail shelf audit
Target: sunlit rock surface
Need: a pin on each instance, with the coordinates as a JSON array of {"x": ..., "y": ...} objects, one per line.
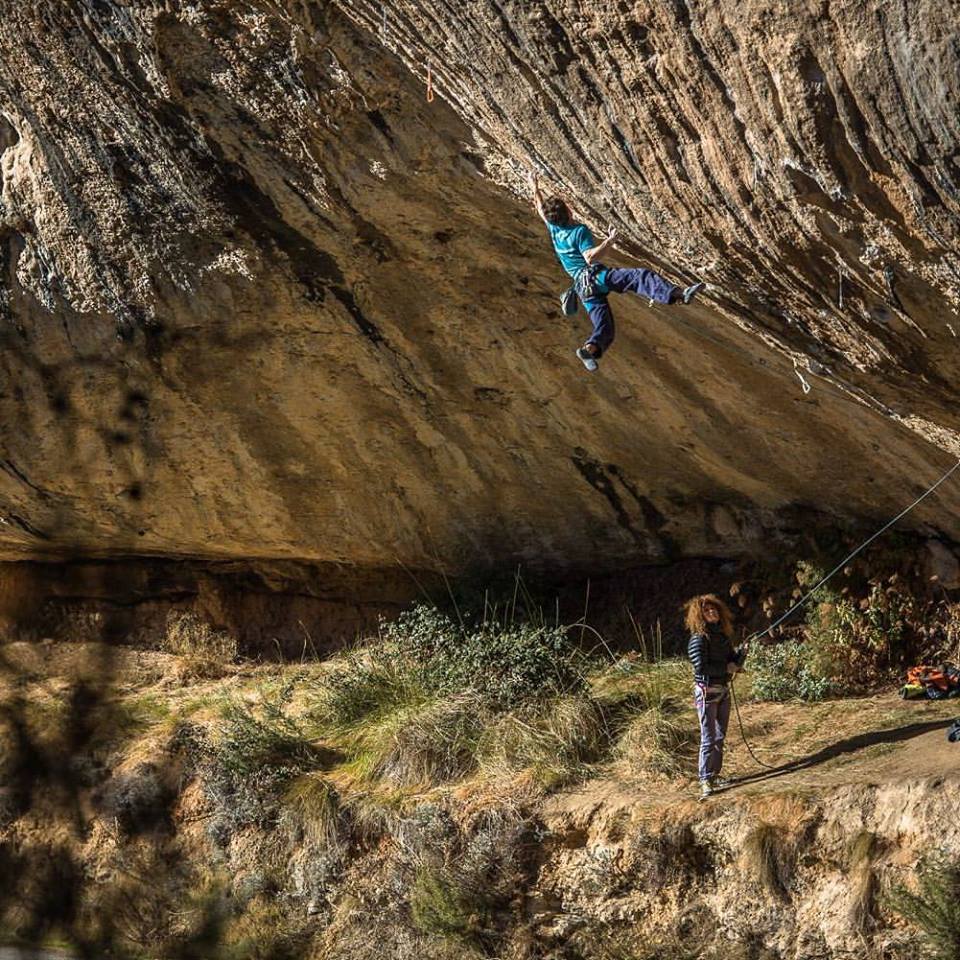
[{"x": 259, "y": 298}]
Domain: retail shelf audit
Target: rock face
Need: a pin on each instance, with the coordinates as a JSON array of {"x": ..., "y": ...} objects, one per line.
[{"x": 261, "y": 299}]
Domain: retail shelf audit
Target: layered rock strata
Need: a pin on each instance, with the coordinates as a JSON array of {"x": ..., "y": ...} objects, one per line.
[{"x": 261, "y": 299}]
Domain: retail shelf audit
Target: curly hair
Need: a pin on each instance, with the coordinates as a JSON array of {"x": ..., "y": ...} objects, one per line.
[
  {"x": 557, "y": 212},
  {"x": 696, "y": 622}
]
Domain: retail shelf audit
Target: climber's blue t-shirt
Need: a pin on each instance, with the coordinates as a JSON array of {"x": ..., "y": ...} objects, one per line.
[{"x": 569, "y": 244}]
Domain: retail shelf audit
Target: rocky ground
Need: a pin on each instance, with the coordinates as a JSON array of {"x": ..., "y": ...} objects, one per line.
[{"x": 163, "y": 853}]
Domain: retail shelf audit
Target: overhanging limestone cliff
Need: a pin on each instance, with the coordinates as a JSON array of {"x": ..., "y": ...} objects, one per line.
[{"x": 261, "y": 300}]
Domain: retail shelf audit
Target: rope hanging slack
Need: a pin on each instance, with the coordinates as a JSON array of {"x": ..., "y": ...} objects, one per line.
[{"x": 429, "y": 83}]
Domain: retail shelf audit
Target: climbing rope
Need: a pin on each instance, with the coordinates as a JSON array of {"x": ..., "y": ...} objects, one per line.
[
  {"x": 812, "y": 591},
  {"x": 743, "y": 735},
  {"x": 866, "y": 543},
  {"x": 429, "y": 83}
]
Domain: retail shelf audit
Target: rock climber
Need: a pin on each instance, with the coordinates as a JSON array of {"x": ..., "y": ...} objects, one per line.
[
  {"x": 715, "y": 661},
  {"x": 580, "y": 256}
]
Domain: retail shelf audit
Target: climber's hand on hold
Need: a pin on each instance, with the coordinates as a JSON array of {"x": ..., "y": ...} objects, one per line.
[{"x": 534, "y": 179}]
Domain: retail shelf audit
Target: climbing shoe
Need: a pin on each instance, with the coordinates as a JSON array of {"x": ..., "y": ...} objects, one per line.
[
  {"x": 587, "y": 359},
  {"x": 706, "y": 790},
  {"x": 692, "y": 291}
]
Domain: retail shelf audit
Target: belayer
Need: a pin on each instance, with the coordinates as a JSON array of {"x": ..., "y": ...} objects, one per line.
[
  {"x": 580, "y": 256},
  {"x": 715, "y": 661}
]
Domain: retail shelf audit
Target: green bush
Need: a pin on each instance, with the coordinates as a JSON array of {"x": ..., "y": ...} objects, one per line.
[
  {"x": 250, "y": 762},
  {"x": 934, "y": 908},
  {"x": 424, "y": 701},
  {"x": 857, "y": 642},
  {"x": 444, "y": 906},
  {"x": 787, "y": 671},
  {"x": 247, "y": 743},
  {"x": 424, "y": 655},
  {"x": 505, "y": 663}
]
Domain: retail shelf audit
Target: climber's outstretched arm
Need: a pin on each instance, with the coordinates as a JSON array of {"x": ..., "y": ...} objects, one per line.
[
  {"x": 537, "y": 194},
  {"x": 594, "y": 253}
]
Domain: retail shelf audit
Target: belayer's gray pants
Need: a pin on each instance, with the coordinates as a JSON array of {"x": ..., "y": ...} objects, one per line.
[{"x": 713, "y": 709}]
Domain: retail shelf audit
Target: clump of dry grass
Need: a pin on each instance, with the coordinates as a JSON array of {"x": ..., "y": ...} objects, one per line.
[
  {"x": 313, "y": 802},
  {"x": 861, "y": 854},
  {"x": 429, "y": 742},
  {"x": 650, "y": 706},
  {"x": 202, "y": 650},
  {"x": 762, "y": 859},
  {"x": 265, "y": 929},
  {"x": 552, "y": 740}
]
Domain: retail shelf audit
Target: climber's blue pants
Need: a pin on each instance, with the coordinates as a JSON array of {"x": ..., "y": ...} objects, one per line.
[{"x": 644, "y": 283}]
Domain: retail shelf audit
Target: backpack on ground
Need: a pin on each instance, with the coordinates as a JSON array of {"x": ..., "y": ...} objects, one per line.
[{"x": 931, "y": 683}]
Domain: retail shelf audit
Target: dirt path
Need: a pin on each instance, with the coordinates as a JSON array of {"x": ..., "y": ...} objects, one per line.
[{"x": 813, "y": 749}]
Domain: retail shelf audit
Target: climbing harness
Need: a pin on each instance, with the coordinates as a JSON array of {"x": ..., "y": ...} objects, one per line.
[
  {"x": 586, "y": 282},
  {"x": 815, "y": 588}
]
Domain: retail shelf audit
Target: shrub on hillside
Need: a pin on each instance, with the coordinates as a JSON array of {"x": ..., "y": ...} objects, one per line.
[
  {"x": 252, "y": 759},
  {"x": 934, "y": 907},
  {"x": 419, "y": 704},
  {"x": 787, "y": 671},
  {"x": 506, "y": 663},
  {"x": 424, "y": 654},
  {"x": 857, "y": 642}
]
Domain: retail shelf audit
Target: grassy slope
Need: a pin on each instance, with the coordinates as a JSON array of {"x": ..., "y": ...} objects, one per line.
[{"x": 628, "y": 740}]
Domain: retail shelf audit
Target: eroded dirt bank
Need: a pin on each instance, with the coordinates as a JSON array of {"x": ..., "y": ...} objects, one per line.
[{"x": 190, "y": 817}]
